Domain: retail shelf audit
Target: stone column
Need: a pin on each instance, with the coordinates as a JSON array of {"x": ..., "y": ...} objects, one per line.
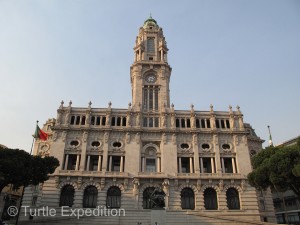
[
  {"x": 66, "y": 161},
  {"x": 143, "y": 164},
  {"x": 233, "y": 165},
  {"x": 180, "y": 168},
  {"x": 121, "y": 164},
  {"x": 99, "y": 163},
  {"x": 158, "y": 164},
  {"x": 110, "y": 163},
  {"x": 212, "y": 165},
  {"x": 77, "y": 162},
  {"x": 201, "y": 165},
  {"x": 223, "y": 165},
  {"x": 88, "y": 163},
  {"x": 191, "y": 165}
]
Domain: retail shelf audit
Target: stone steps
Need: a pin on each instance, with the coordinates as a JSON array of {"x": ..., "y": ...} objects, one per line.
[{"x": 149, "y": 217}]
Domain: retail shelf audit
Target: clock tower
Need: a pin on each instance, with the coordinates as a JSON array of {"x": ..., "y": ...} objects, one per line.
[{"x": 150, "y": 72}]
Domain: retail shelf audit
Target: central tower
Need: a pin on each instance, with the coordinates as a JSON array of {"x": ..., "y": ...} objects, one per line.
[{"x": 150, "y": 73}]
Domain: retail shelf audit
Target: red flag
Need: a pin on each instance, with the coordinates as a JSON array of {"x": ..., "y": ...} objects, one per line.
[{"x": 40, "y": 134}]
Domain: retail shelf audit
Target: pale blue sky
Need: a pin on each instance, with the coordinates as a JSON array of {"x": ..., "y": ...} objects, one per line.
[{"x": 223, "y": 53}]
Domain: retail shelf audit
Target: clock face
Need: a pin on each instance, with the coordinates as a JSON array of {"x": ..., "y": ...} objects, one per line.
[{"x": 151, "y": 78}]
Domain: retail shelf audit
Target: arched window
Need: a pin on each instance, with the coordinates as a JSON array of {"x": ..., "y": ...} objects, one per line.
[
  {"x": 233, "y": 200},
  {"x": 210, "y": 199},
  {"x": 153, "y": 198},
  {"x": 113, "y": 199},
  {"x": 67, "y": 196},
  {"x": 90, "y": 197},
  {"x": 187, "y": 199}
]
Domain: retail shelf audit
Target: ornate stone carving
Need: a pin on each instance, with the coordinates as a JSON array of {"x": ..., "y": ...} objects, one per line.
[
  {"x": 79, "y": 182},
  {"x": 221, "y": 185},
  {"x": 102, "y": 183},
  {"x": 136, "y": 186}
]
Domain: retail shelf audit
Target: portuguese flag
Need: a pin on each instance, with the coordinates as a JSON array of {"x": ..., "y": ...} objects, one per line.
[{"x": 40, "y": 134}]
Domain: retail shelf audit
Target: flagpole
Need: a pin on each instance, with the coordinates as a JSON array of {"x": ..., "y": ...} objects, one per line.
[
  {"x": 19, "y": 209},
  {"x": 33, "y": 139},
  {"x": 270, "y": 139}
]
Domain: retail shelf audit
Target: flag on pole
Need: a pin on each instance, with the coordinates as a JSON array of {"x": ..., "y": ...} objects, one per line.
[{"x": 40, "y": 134}]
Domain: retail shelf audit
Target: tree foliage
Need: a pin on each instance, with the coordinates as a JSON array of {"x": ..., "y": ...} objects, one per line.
[
  {"x": 277, "y": 167},
  {"x": 19, "y": 168}
]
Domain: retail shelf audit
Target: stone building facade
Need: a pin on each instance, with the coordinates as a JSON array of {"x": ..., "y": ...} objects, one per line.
[{"x": 151, "y": 155}]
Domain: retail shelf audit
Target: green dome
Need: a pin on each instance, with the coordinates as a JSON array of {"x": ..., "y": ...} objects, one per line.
[{"x": 149, "y": 21}]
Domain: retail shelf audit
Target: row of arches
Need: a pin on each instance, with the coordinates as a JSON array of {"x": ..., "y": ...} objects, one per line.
[
  {"x": 210, "y": 199},
  {"x": 152, "y": 198},
  {"x": 113, "y": 199}
]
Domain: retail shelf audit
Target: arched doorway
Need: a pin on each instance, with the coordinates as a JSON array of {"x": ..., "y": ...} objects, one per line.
[{"x": 153, "y": 198}]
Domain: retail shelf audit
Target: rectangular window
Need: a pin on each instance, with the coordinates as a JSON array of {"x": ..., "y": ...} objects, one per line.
[
  {"x": 202, "y": 123},
  {"x": 156, "y": 122},
  {"x": 188, "y": 123},
  {"x": 208, "y": 123},
  {"x": 119, "y": 121},
  {"x": 77, "y": 120},
  {"x": 151, "y": 99},
  {"x": 197, "y": 123},
  {"x": 217, "y": 124},
  {"x": 156, "y": 99},
  {"x": 93, "y": 120},
  {"x": 207, "y": 167},
  {"x": 72, "y": 162},
  {"x": 185, "y": 164},
  {"x": 113, "y": 121},
  {"x": 228, "y": 165},
  {"x": 72, "y": 120},
  {"x": 150, "y": 45},
  {"x": 94, "y": 163},
  {"x": 150, "y": 122},
  {"x": 150, "y": 165},
  {"x": 177, "y": 123},
  {"x": 227, "y": 124},
  {"x": 124, "y": 121},
  {"x": 182, "y": 123},
  {"x": 145, "y": 93},
  {"x": 222, "y": 124},
  {"x": 145, "y": 124},
  {"x": 116, "y": 161},
  {"x": 103, "y": 121}
]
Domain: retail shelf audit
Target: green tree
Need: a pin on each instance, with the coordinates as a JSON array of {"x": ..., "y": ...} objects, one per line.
[
  {"x": 278, "y": 168},
  {"x": 19, "y": 168}
]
